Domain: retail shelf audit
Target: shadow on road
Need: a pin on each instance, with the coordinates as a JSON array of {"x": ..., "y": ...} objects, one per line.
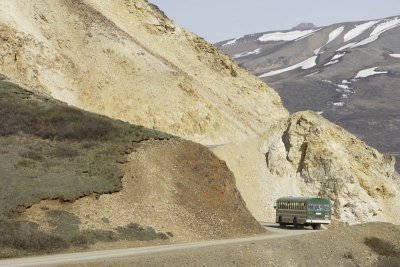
[{"x": 287, "y": 227}]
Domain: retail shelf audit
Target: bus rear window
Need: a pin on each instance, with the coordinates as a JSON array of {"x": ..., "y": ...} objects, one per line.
[{"x": 319, "y": 207}]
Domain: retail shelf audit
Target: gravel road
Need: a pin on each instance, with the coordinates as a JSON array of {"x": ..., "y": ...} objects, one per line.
[{"x": 98, "y": 256}]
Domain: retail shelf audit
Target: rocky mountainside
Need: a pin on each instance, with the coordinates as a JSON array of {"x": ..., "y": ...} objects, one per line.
[
  {"x": 308, "y": 155},
  {"x": 127, "y": 60},
  {"x": 69, "y": 178},
  {"x": 348, "y": 72}
]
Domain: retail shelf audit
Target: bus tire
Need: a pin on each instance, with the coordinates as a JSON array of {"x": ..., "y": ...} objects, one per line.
[
  {"x": 316, "y": 226},
  {"x": 295, "y": 224},
  {"x": 281, "y": 224}
]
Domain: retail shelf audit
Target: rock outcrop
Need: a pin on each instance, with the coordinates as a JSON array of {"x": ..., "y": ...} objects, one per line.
[{"x": 308, "y": 155}]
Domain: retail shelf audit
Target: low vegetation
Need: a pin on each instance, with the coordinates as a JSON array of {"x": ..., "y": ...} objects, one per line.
[
  {"x": 49, "y": 150},
  {"x": 389, "y": 254},
  {"x": 24, "y": 238}
]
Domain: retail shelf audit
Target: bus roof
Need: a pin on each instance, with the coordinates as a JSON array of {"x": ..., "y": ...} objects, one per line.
[{"x": 300, "y": 199}]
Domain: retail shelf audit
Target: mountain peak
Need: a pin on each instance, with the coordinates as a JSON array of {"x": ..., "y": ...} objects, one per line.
[{"x": 304, "y": 26}]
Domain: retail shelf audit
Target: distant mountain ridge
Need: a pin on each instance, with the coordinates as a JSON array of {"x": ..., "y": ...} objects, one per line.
[
  {"x": 304, "y": 26},
  {"x": 349, "y": 72}
]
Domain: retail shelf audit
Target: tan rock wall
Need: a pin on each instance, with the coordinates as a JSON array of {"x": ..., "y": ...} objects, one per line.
[
  {"x": 307, "y": 155},
  {"x": 126, "y": 60}
]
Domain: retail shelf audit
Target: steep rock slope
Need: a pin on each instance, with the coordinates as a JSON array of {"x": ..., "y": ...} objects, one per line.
[
  {"x": 349, "y": 72},
  {"x": 72, "y": 178},
  {"x": 308, "y": 155},
  {"x": 126, "y": 60}
]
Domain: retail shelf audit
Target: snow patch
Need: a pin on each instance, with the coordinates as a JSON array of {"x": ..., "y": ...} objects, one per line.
[
  {"x": 306, "y": 64},
  {"x": 331, "y": 63},
  {"x": 343, "y": 89},
  {"x": 337, "y": 56},
  {"x": 343, "y": 86},
  {"x": 385, "y": 26},
  {"x": 395, "y": 55},
  {"x": 346, "y": 46},
  {"x": 359, "y": 29},
  {"x": 316, "y": 51},
  {"x": 284, "y": 36},
  {"x": 338, "y": 104},
  {"x": 379, "y": 29},
  {"x": 327, "y": 81},
  {"x": 334, "y": 34},
  {"x": 231, "y": 42},
  {"x": 312, "y": 74},
  {"x": 369, "y": 72},
  {"x": 254, "y": 52},
  {"x": 368, "y": 40},
  {"x": 335, "y": 59}
]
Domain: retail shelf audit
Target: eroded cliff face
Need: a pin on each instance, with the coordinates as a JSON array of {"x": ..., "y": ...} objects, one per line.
[
  {"x": 336, "y": 164},
  {"x": 308, "y": 155},
  {"x": 127, "y": 60}
]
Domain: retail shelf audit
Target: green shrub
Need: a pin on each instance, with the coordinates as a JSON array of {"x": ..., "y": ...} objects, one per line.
[
  {"x": 133, "y": 231},
  {"x": 26, "y": 236}
]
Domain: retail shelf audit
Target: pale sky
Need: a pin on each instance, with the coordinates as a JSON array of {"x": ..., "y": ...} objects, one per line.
[{"x": 218, "y": 20}]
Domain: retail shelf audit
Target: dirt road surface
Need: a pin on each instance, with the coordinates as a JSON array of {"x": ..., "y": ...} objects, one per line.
[{"x": 99, "y": 256}]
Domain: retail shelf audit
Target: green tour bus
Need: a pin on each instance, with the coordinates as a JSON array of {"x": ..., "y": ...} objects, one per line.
[{"x": 303, "y": 211}]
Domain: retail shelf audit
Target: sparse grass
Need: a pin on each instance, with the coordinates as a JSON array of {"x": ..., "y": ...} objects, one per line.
[
  {"x": 134, "y": 231},
  {"x": 32, "y": 155},
  {"x": 22, "y": 238},
  {"x": 51, "y": 150},
  {"x": 64, "y": 150},
  {"x": 389, "y": 254},
  {"x": 382, "y": 247},
  {"x": 25, "y": 236},
  {"x": 67, "y": 227}
]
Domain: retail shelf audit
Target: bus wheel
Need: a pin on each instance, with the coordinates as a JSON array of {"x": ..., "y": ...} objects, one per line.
[
  {"x": 281, "y": 224},
  {"x": 295, "y": 224},
  {"x": 316, "y": 226}
]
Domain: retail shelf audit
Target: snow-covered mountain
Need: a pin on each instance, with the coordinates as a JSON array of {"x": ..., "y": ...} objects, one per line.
[{"x": 349, "y": 72}]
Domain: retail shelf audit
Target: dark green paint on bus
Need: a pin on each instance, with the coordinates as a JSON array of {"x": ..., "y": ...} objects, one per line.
[{"x": 303, "y": 211}]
